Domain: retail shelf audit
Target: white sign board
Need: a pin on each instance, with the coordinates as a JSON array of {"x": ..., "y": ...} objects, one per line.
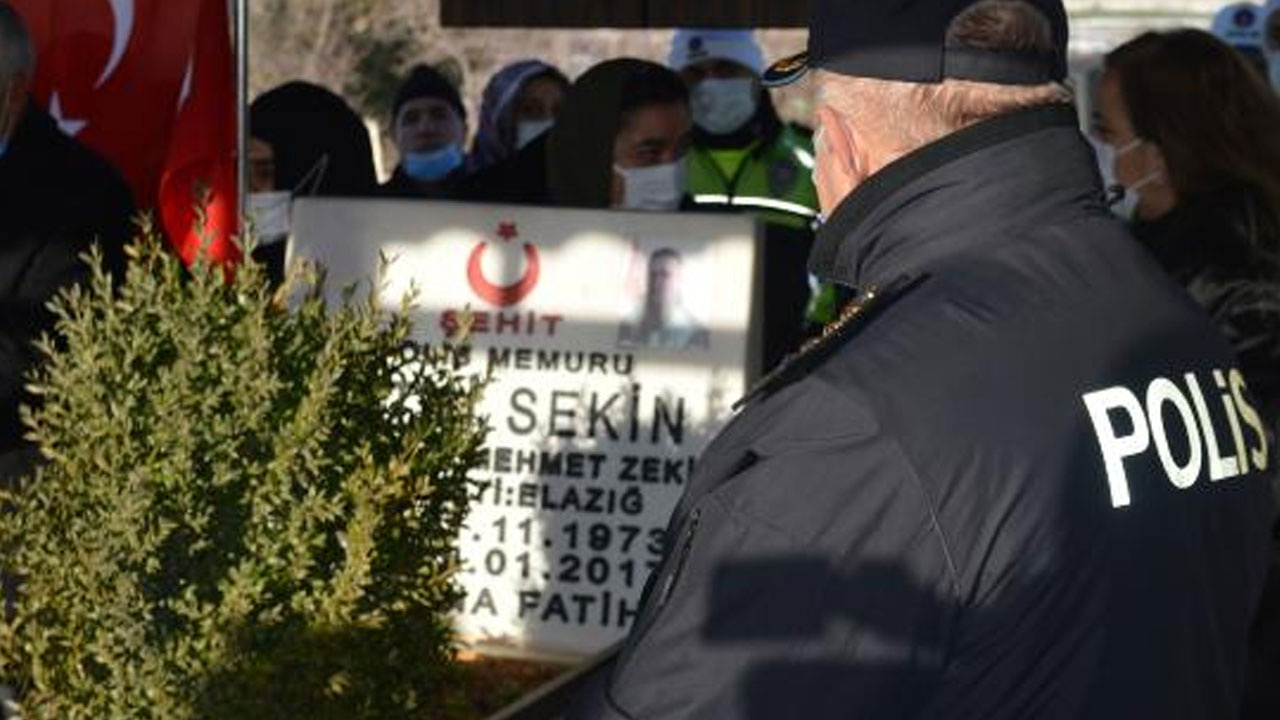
[{"x": 618, "y": 344}]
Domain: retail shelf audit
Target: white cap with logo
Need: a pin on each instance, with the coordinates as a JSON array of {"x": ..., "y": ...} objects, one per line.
[
  {"x": 1240, "y": 25},
  {"x": 692, "y": 46}
]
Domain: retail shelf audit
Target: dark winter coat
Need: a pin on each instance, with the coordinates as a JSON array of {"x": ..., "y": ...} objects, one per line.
[
  {"x": 957, "y": 505},
  {"x": 1226, "y": 252},
  {"x": 56, "y": 198},
  {"x": 403, "y": 187}
]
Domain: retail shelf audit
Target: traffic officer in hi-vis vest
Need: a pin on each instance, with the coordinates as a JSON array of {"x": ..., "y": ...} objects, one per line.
[
  {"x": 746, "y": 159},
  {"x": 1021, "y": 477}
]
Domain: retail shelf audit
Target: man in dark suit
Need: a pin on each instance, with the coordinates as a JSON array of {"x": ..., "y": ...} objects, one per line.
[{"x": 56, "y": 199}]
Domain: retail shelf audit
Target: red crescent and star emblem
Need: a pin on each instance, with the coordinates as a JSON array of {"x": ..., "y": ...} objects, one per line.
[{"x": 504, "y": 295}]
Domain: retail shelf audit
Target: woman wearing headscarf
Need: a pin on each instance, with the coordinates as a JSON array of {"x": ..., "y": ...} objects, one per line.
[
  {"x": 520, "y": 103},
  {"x": 304, "y": 140}
]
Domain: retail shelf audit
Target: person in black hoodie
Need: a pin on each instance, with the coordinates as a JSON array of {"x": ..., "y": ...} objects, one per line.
[
  {"x": 56, "y": 199},
  {"x": 1191, "y": 132},
  {"x": 619, "y": 141},
  {"x": 304, "y": 140}
]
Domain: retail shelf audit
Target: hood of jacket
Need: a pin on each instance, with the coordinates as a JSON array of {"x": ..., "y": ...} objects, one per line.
[{"x": 321, "y": 145}]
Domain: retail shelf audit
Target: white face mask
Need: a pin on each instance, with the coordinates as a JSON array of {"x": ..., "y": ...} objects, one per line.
[
  {"x": 722, "y": 106},
  {"x": 658, "y": 187},
  {"x": 270, "y": 214},
  {"x": 1123, "y": 199},
  {"x": 529, "y": 130}
]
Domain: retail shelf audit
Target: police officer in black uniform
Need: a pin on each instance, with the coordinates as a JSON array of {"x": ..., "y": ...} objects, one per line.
[{"x": 1021, "y": 478}]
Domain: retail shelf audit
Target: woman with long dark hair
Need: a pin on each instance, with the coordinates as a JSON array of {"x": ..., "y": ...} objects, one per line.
[
  {"x": 1194, "y": 135},
  {"x": 1194, "y": 138}
]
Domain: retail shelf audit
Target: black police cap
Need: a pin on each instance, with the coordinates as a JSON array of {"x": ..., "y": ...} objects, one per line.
[{"x": 905, "y": 40}]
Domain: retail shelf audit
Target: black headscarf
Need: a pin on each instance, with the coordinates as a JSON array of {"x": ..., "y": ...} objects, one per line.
[{"x": 305, "y": 124}]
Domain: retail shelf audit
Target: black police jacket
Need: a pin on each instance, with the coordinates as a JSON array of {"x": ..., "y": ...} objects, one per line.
[{"x": 1024, "y": 482}]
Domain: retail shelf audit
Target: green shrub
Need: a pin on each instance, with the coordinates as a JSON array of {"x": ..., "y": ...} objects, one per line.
[{"x": 248, "y": 506}]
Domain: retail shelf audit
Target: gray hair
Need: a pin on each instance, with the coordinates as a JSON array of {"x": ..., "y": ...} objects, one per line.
[
  {"x": 906, "y": 116},
  {"x": 17, "y": 55}
]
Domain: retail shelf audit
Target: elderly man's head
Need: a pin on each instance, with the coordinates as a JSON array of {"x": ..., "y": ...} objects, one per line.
[
  {"x": 864, "y": 123},
  {"x": 17, "y": 64}
]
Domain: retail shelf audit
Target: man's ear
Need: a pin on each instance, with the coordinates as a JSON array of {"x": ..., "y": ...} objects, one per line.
[{"x": 841, "y": 162}]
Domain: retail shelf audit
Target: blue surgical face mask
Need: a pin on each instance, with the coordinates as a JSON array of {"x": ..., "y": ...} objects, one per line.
[{"x": 434, "y": 165}]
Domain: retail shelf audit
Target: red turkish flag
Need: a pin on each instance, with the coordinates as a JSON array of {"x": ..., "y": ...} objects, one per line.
[
  {"x": 200, "y": 169},
  {"x": 150, "y": 85}
]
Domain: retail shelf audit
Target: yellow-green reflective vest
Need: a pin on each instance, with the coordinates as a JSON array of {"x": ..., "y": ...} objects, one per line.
[{"x": 773, "y": 179}]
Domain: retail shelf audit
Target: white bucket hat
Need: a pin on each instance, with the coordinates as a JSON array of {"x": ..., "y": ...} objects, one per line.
[
  {"x": 691, "y": 46},
  {"x": 1240, "y": 25}
]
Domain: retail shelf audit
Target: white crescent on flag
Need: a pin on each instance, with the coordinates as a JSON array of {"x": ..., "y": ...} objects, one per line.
[
  {"x": 122, "y": 12},
  {"x": 186, "y": 81},
  {"x": 70, "y": 126}
]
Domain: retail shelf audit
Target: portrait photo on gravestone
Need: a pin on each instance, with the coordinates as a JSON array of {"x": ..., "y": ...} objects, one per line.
[{"x": 666, "y": 299}]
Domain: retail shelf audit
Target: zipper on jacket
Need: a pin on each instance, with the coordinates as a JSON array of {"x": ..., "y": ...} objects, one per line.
[{"x": 686, "y": 546}]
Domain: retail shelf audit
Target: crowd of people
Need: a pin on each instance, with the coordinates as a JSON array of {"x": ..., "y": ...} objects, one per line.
[
  {"x": 1186, "y": 134},
  {"x": 699, "y": 134},
  {"x": 702, "y": 134}
]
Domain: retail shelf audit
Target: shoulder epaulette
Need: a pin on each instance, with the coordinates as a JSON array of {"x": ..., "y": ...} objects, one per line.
[{"x": 853, "y": 317}]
